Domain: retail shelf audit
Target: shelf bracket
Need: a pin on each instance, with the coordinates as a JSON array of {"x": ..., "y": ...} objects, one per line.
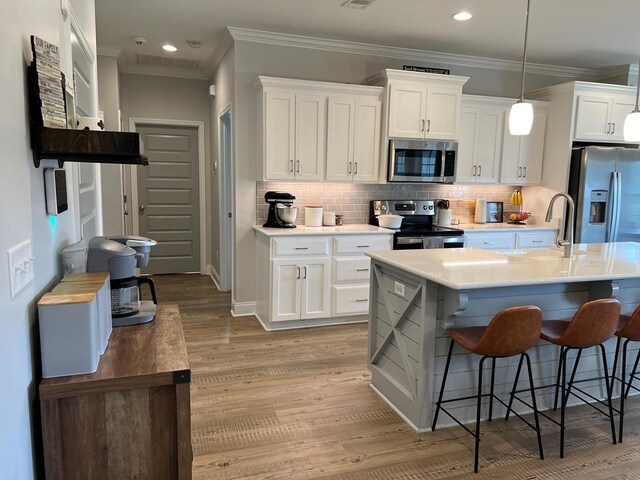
[{"x": 454, "y": 304}]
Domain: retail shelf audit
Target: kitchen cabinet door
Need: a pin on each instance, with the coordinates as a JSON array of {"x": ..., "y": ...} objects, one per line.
[
  {"x": 316, "y": 278},
  {"x": 532, "y": 150},
  {"x": 310, "y": 137},
  {"x": 488, "y": 147},
  {"x": 407, "y": 107},
  {"x": 620, "y": 108},
  {"x": 340, "y": 138},
  {"x": 279, "y": 131},
  {"x": 466, "y": 163},
  {"x": 443, "y": 112},
  {"x": 592, "y": 118},
  {"x": 286, "y": 295},
  {"x": 480, "y": 145},
  {"x": 366, "y": 140}
]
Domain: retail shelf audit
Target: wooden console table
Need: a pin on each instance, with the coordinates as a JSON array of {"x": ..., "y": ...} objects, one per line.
[{"x": 131, "y": 418}]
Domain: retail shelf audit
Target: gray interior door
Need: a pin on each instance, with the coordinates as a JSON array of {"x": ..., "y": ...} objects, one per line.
[{"x": 168, "y": 198}]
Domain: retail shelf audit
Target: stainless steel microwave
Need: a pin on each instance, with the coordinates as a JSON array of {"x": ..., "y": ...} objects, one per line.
[{"x": 422, "y": 161}]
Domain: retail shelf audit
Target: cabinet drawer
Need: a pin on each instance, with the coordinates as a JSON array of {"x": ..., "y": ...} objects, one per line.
[
  {"x": 350, "y": 299},
  {"x": 535, "y": 239},
  {"x": 350, "y": 244},
  {"x": 351, "y": 269},
  {"x": 318, "y": 247},
  {"x": 493, "y": 241}
]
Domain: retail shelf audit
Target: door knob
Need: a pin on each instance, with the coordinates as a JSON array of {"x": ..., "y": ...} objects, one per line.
[{"x": 142, "y": 208}]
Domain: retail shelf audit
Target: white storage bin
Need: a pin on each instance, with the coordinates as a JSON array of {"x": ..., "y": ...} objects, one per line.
[
  {"x": 78, "y": 283},
  {"x": 69, "y": 334}
]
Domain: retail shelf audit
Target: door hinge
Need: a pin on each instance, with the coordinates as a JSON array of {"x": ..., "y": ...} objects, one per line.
[{"x": 229, "y": 215}]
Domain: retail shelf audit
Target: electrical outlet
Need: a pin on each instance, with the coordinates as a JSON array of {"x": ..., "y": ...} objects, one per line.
[{"x": 21, "y": 266}]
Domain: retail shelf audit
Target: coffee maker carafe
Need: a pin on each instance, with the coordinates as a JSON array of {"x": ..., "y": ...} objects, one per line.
[
  {"x": 120, "y": 256},
  {"x": 281, "y": 212}
]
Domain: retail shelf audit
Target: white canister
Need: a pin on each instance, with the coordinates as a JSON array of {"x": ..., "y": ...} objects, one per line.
[
  {"x": 329, "y": 219},
  {"x": 313, "y": 216},
  {"x": 444, "y": 218}
]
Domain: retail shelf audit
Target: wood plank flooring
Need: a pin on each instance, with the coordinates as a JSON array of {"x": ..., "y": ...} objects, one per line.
[{"x": 297, "y": 405}]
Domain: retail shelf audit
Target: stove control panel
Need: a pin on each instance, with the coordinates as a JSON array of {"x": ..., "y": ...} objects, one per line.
[{"x": 403, "y": 207}]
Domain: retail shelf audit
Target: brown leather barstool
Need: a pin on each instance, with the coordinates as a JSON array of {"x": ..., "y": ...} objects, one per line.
[
  {"x": 511, "y": 332},
  {"x": 593, "y": 324},
  {"x": 629, "y": 330}
]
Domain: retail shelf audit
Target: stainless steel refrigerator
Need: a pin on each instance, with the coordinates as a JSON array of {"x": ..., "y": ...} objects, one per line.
[{"x": 605, "y": 186}]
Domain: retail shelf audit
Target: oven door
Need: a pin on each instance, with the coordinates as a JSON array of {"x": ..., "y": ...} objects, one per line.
[
  {"x": 418, "y": 243},
  {"x": 420, "y": 161}
]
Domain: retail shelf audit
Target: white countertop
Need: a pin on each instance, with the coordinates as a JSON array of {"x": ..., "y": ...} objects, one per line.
[
  {"x": 349, "y": 229},
  {"x": 502, "y": 227},
  {"x": 472, "y": 268}
]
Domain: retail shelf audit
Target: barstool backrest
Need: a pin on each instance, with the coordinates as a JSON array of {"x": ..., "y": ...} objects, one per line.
[
  {"x": 592, "y": 324},
  {"x": 512, "y": 331},
  {"x": 631, "y": 328}
]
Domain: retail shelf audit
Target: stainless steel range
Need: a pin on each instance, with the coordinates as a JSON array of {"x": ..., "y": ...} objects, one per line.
[{"x": 417, "y": 230}]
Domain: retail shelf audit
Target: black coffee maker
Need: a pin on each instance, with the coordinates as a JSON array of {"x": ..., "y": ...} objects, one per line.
[{"x": 281, "y": 212}]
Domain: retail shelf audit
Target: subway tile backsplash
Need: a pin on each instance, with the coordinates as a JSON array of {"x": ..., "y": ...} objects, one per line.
[{"x": 352, "y": 199}]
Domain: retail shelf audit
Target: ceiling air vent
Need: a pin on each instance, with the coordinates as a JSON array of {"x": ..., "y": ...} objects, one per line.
[
  {"x": 174, "y": 62},
  {"x": 361, "y": 4}
]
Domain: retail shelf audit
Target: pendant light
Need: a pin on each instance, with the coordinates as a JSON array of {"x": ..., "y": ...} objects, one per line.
[
  {"x": 631, "y": 128},
  {"x": 521, "y": 114}
]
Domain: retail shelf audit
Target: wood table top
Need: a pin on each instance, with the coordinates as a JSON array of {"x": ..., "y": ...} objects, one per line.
[{"x": 138, "y": 356}]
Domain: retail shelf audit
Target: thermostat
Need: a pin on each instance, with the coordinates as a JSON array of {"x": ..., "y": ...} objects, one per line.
[{"x": 55, "y": 183}]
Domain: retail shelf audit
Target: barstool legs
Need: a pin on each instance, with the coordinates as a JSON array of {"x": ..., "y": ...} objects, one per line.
[
  {"x": 444, "y": 382},
  {"x": 478, "y": 407},
  {"x": 566, "y": 389},
  {"x": 493, "y": 381}
]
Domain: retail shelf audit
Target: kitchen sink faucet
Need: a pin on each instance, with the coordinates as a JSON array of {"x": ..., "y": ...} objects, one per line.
[{"x": 567, "y": 241}]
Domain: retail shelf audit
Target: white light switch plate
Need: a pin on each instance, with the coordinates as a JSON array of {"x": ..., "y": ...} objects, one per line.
[{"x": 20, "y": 266}]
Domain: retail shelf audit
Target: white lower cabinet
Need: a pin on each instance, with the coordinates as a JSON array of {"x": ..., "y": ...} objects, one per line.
[
  {"x": 314, "y": 280},
  {"x": 300, "y": 289},
  {"x": 497, "y": 240}
]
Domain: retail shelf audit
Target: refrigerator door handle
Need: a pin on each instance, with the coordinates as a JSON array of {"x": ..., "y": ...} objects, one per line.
[
  {"x": 611, "y": 208},
  {"x": 618, "y": 178}
]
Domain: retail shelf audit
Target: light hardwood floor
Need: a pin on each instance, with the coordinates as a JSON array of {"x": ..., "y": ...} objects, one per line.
[{"x": 297, "y": 405}]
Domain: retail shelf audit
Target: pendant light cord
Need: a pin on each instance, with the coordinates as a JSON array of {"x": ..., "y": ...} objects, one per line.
[{"x": 524, "y": 53}]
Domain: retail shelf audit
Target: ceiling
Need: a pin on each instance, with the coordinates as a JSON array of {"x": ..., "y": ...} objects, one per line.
[{"x": 575, "y": 33}]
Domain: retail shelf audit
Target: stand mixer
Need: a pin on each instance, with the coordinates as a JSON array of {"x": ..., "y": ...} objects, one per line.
[{"x": 281, "y": 212}]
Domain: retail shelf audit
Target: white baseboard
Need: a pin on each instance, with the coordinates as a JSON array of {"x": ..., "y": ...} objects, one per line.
[
  {"x": 214, "y": 276},
  {"x": 242, "y": 309}
]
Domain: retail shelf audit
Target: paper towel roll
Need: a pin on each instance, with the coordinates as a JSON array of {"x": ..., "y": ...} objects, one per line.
[{"x": 481, "y": 211}]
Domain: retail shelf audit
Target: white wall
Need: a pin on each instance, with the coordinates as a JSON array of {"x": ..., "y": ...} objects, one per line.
[
  {"x": 23, "y": 216},
  {"x": 223, "y": 79},
  {"x": 146, "y": 96},
  {"x": 253, "y": 59},
  {"x": 111, "y": 175}
]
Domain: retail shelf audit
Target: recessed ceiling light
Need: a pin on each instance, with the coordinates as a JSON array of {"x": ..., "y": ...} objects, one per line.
[
  {"x": 461, "y": 16},
  {"x": 169, "y": 48}
]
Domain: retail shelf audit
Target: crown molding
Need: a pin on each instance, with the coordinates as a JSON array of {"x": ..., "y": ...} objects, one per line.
[
  {"x": 343, "y": 46},
  {"x": 314, "y": 86},
  {"x": 159, "y": 71},
  {"x": 108, "y": 51},
  {"x": 224, "y": 43}
]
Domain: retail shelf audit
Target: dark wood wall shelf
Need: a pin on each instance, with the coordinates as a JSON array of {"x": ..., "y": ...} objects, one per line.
[
  {"x": 86, "y": 146},
  {"x": 69, "y": 145}
]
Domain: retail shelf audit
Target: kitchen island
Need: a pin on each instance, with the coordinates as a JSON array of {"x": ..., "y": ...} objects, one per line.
[{"x": 417, "y": 295}]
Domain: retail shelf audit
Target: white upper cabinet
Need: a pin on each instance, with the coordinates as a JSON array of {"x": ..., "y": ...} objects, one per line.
[
  {"x": 294, "y": 136},
  {"x": 309, "y": 128},
  {"x": 601, "y": 116},
  {"x": 353, "y": 139},
  {"x": 480, "y": 145},
  {"x": 408, "y": 106},
  {"x": 421, "y": 105},
  {"x": 522, "y": 154}
]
